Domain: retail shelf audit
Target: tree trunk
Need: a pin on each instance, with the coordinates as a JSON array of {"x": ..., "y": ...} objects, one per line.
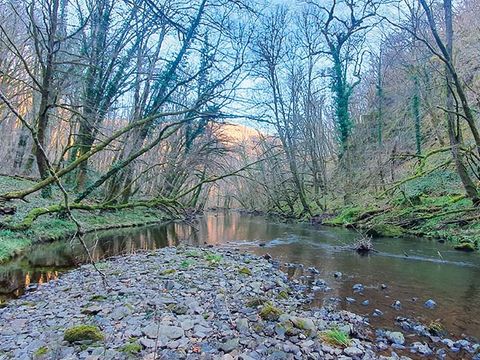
[{"x": 454, "y": 131}]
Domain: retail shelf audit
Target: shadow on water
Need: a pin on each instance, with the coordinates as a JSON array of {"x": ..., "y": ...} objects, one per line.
[{"x": 414, "y": 270}]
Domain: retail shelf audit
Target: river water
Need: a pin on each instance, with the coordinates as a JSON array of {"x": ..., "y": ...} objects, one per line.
[{"x": 413, "y": 269}]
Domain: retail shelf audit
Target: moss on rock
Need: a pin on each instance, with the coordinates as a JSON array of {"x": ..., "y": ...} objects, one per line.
[
  {"x": 245, "y": 271},
  {"x": 465, "y": 246},
  {"x": 270, "y": 312},
  {"x": 131, "y": 348},
  {"x": 168, "y": 272},
  {"x": 41, "y": 351},
  {"x": 82, "y": 333}
]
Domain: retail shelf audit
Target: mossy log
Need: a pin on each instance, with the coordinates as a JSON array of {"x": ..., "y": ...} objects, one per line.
[{"x": 34, "y": 214}]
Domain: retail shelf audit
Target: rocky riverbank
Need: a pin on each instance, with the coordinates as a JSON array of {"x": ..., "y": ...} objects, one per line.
[{"x": 193, "y": 303}]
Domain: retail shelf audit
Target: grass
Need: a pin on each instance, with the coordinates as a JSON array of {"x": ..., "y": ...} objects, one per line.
[
  {"x": 213, "y": 259},
  {"x": 336, "y": 337},
  {"x": 54, "y": 227}
]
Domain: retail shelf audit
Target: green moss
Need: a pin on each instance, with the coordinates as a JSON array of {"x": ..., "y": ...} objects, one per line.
[
  {"x": 300, "y": 324},
  {"x": 98, "y": 298},
  {"x": 346, "y": 216},
  {"x": 270, "y": 312},
  {"x": 287, "y": 327},
  {"x": 465, "y": 246},
  {"x": 12, "y": 243},
  {"x": 82, "y": 333},
  {"x": 245, "y": 271},
  {"x": 336, "y": 337},
  {"x": 435, "y": 328},
  {"x": 385, "y": 230},
  {"x": 131, "y": 348},
  {"x": 257, "y": 327},
  {"x": 41, "y": 351},
  {"x": 168, "y": 272},
  {"x": 283, "y": 294}
]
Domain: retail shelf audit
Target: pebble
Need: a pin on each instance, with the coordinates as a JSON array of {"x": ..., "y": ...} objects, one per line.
[
  {"x": 358, "y": 288},
  {"x": 395, "y": 337},
  {"x": 430, "y": 304},
  {"x": 397, "y": 305},
  {"x": 198, "y": 311}
]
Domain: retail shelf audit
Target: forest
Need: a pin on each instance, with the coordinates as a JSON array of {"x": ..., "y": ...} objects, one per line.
[
  {"x": 239, "y": 179},
  {"x": 357, "y": 113}
]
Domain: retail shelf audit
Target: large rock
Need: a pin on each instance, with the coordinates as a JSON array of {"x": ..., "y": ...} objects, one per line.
[
  {"x": 154, "y": 331},
  {"x": 420, "y": 348},
  {"x": 395, "y": 337},
  {"x": 229, "y": 345},
  {"x": 353, "y": 351}
]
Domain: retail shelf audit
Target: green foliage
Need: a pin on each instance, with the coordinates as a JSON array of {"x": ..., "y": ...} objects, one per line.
[
  {"x": 213, "y": 259},
  {"x": 336, "y": 337},
  {"x": 186, "y": 263},
  {"x": 437, "y": 183},
  {"x": 82, "y": 333},
  {"x": 53, "y": 227},
  {"x": 11, "y": 244},
  {"x": 347, "y": 215},
  {"x": 283, "y": 294}
]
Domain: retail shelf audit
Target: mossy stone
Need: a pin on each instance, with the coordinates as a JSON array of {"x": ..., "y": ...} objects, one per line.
[
  {"x": 82, "y": 333},
  {"x": 270, "y": 312},
  {"x": 465, "y": 246},
  {"x": 168, "y": 272},
  {"x": 131, "y": 348},
  {"x": 245, "y": 271}
]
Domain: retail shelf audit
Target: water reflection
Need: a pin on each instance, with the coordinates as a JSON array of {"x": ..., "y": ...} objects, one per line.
[{"x": 454, "y": 282}]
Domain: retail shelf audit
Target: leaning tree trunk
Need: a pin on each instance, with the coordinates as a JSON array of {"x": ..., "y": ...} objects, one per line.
[{"x": 454, "y": 131}]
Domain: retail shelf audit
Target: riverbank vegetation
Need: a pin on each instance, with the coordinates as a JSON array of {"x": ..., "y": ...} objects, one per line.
[{"x": 353, "y": 113}]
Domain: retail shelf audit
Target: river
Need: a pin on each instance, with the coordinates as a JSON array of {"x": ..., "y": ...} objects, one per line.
[{"x": 414, "y": 270}]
